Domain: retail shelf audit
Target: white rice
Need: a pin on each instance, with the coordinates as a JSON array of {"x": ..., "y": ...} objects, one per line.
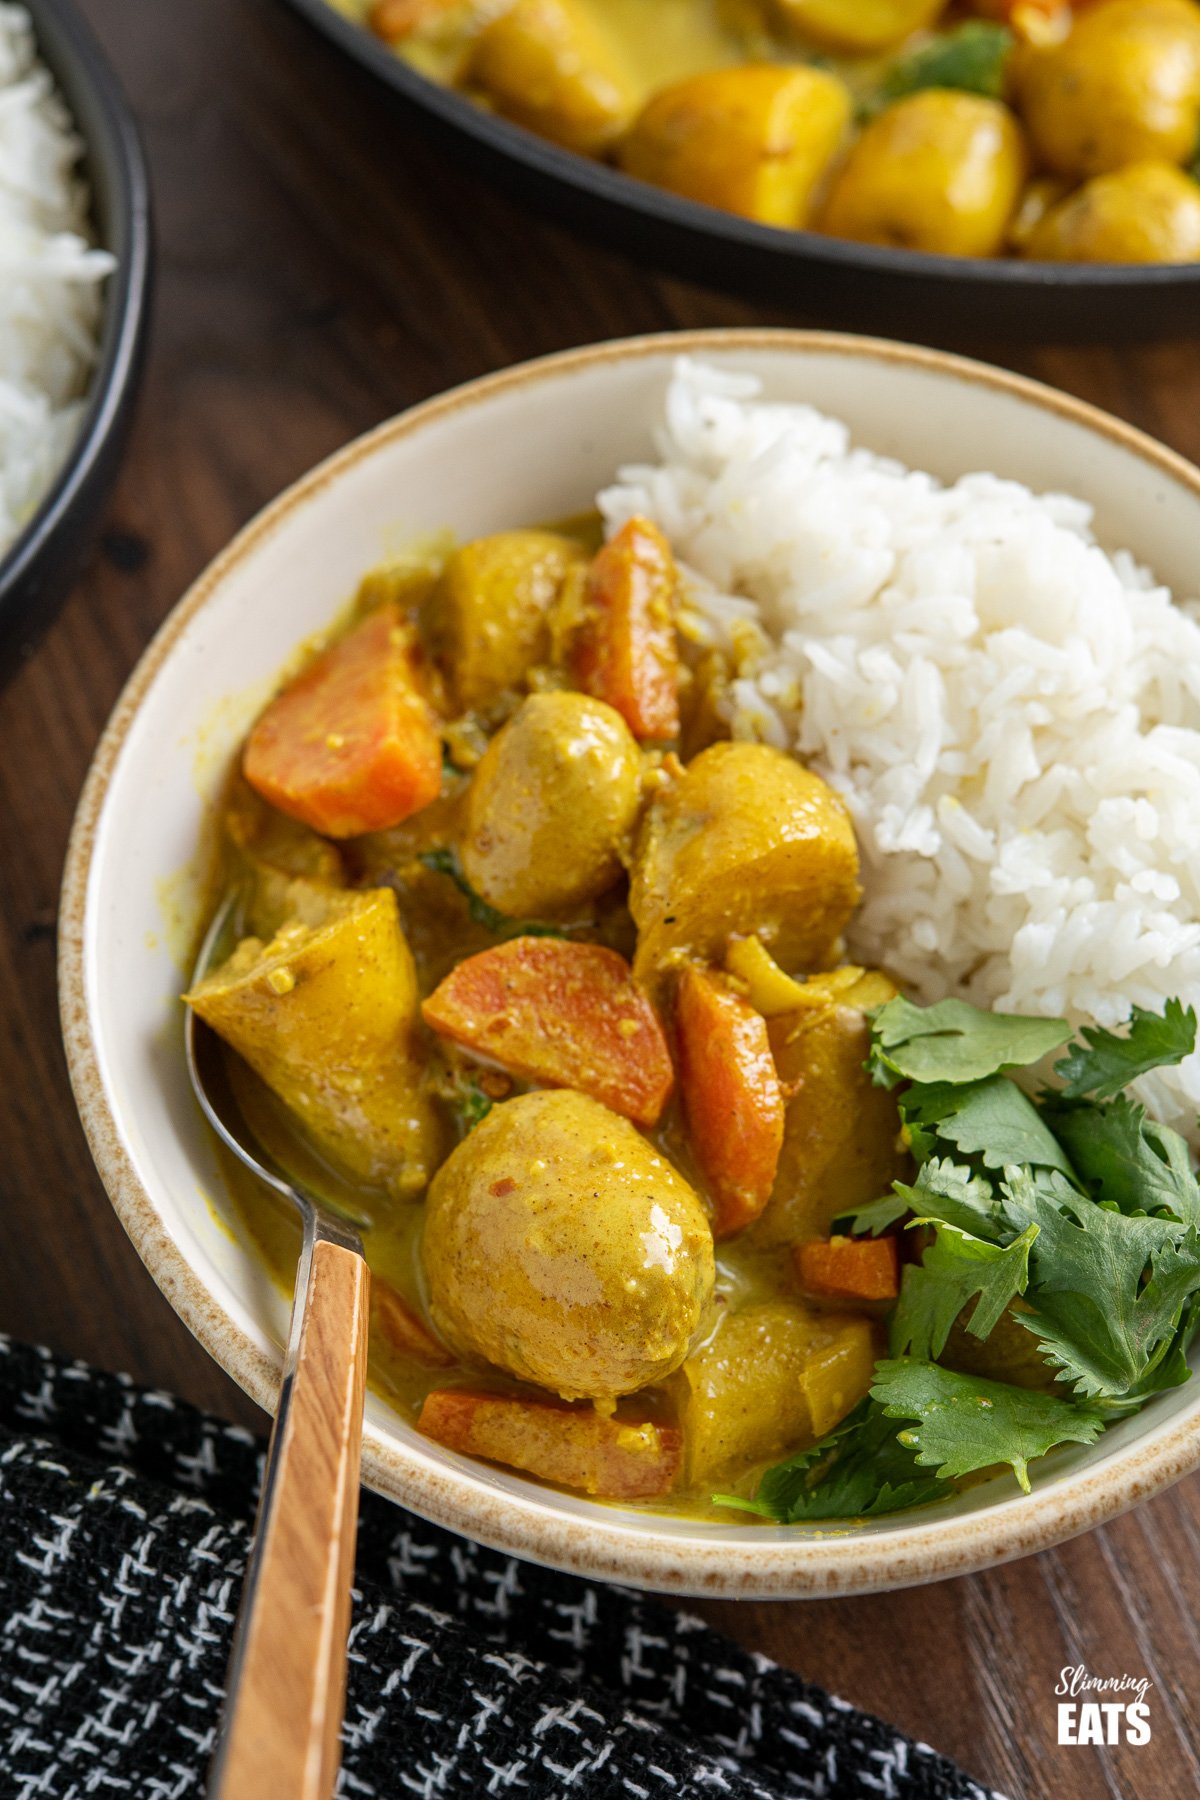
[
  {"x": 1012, "y": 715},
  {"x": 50, "y": 279}
]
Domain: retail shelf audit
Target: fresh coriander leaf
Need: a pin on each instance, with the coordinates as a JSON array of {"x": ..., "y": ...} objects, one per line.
[
  {"x": 1100, "y": 1321},
  {"x": 945, "y": 1193},
  {"x": 973, "y": 58},
  {"x": 444, "y": 862},
  {"x": 954, "y": 1270},
  {"x": 1170, "y": 1371},
  {"x": 861, "y": 1470},
  {"x": 963, "y": 1423},
  {"x": 1126, "y": 1160},
  {"x": 955, "y": 1042},
  {"x": 992, "y": 1119},
  {"x": 1105, "y": 1063},
  {"x": 879, "y": 1214}
]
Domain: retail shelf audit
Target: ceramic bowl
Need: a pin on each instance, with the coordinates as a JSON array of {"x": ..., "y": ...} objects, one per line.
[{"x": 533, "y": 443}]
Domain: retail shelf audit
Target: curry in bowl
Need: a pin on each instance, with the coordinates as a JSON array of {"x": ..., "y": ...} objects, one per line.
[
  {"x": 996, "y": 127},
  {"x": 540, "y": 974}
]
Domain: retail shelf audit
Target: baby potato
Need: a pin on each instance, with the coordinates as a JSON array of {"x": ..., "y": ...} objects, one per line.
[
  {"x": 745, "y": 841},
  {"x": 1124, "y": 86},
  {"x": 1146, "y": 213},
  {"x": 550, "y": 66},
  {"x": 1040, "y": 195},
  {"x": 551, "y": 806},
  {"x": 560, "y": 1246},
  {"x": 754, "y": 140},
  {"x": 858, "y": 24},
  {"x": 938, "y": 171}
]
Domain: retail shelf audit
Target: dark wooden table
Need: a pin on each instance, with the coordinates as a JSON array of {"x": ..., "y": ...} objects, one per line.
[{"x": 321, "y": 268}]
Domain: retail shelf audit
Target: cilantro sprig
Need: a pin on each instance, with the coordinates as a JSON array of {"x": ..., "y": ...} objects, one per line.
[
  {"x": 1064, "y": 1210},
  {"x": 860, "y": 1470},
  {"x": 1105, "y": 1063},
  {"x": 962, "y": 1423},
  {"x": 973, "y": 57}
]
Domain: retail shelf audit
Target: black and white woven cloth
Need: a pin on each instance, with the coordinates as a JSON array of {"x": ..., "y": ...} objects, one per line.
[{"x": 123, "y": 1539}]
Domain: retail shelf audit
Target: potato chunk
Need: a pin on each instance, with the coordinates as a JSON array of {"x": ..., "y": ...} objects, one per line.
[
  {"x": 326, "y": 1016},
  {"x": 744, "y": 842},
  {"x": 859, "y": 25},
  {"x": 552, "y": 806},
  {"x": 550, "y": 65},
  {"x": 1123, "y": 87},
  {"x": 754, "y": 140},
  {"x": 937, "y": 171},
  {"x": 774, "y": 1377},
  {"x": 293, "y": 873},
  {"x": 561, "y": 1247},
  {"x": 574, "y": 1447},
  {"x": 489, "y": 617},
  {"x": 841, "y": 1139},
  {"x": 1146, "y": 213}
]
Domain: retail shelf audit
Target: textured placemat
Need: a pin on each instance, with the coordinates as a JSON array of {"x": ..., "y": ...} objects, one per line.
[{"x": 123, "y": 1540}]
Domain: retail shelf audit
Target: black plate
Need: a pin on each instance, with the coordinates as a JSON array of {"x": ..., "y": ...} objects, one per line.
[
  {"x": 828, "y": 280},
  {"x": 38, "y": 568}
]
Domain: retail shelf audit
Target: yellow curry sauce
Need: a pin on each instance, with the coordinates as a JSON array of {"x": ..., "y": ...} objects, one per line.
[
  {"x": 980, "y": 128},
  {"x": 644, "y": 863}
]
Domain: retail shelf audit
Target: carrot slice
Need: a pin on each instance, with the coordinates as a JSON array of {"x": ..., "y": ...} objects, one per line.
[
  {"x": 731, "y": 1095},
  {"x": 844, "y": 1268},
  {"x": 562, "y": 1014},
  {"x": 573, "y": 1446},
  {"x": 351, "y": 745},
  {"x": 626, "y": 651},
  {"x": 404, "y": 1329}
]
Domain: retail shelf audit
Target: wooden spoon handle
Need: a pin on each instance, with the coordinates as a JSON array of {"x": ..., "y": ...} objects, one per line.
[{"x": 287, "y": 1674}]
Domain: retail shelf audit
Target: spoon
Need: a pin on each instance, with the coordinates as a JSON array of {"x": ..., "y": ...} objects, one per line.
[{"x": 286, "y": 1686}]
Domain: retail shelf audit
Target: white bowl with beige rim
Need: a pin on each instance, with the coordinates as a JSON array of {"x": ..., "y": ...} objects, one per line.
[{"x": 534, "y": 443}]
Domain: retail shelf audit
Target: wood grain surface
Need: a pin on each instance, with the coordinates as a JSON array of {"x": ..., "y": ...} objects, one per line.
[{"x": 320, "y": 268}]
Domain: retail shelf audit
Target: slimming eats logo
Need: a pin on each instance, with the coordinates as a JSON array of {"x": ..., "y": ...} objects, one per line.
[{"x": 1084, "y": 1720}]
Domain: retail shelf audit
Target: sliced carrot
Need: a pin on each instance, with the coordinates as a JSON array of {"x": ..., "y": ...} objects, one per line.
[
  {"x": 562, "y": 1014},
  {"x": 843, "y": 1268},
  {"x": 404, "y": 1328},
  {"x": 731, "y": 1095},
  {"x": 573, "y": 1446},
  {"x": 351, "y": 745},
  {"x": 626, "y": 650}
]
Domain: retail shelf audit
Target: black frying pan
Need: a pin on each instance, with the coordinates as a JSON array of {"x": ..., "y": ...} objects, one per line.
[{"x": 900, "y": 292}]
